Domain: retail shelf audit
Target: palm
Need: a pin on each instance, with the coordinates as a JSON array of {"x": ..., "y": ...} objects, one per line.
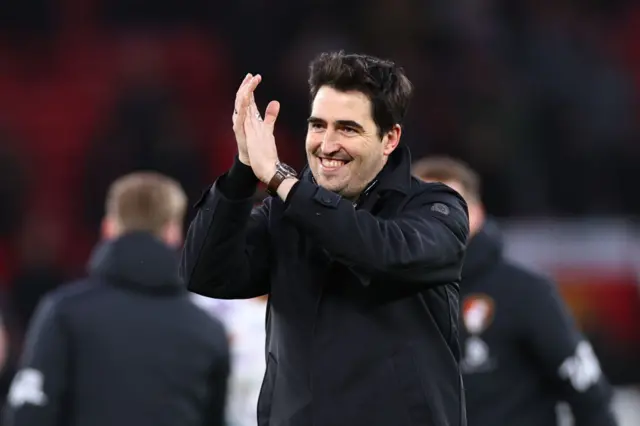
[
  {"x": 256, "y": 143},
  {"x": 261, "y": 144},
  {"x": 247, "y": 86}
]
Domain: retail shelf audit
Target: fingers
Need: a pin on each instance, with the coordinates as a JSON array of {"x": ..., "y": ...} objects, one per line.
[
  {"x": 243, "y": 98},
  {"x": 271, "y": 114},
  {"x": 254, "y": 119},
  {"x": 255, "y": 113},
  {"x": 246, "y": 79},
  {"x": 239, "y": 93},
  {"x": 250, "y": 86},
  {"x": 243, "y": 85},
  {"x": 247, "y": 116},
  {"x": 246, "y": 89},
  {"x": 253, "y": 116},
  {"x": 237, "y": 117}
]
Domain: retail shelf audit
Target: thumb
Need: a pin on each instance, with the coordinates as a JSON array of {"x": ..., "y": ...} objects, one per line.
[{"x": 271, "y": 113}]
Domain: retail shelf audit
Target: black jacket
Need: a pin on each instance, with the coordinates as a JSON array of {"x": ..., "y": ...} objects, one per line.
[
  {"x": 124, "y": 347},
  {"x": 362, "y": 326},
  {"x": 522, "y": 353}
]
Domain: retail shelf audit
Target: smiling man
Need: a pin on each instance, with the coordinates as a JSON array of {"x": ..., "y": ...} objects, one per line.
[
  {"x": 344, "y": 154},
  {"x": 361, "y": 262}
]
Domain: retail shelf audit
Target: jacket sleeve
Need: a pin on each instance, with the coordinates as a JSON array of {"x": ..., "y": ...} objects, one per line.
[
  {"x": 425, "y": 244},
  {"x": 226, "y": 252},
  {"x": 39, "y": 389},
  {"x": 565, "y": 357}
]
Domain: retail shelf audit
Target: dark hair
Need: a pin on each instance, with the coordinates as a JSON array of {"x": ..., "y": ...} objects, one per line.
[
  {"x": 384, "y": 83},
  {"x": 442, "y": 169}
]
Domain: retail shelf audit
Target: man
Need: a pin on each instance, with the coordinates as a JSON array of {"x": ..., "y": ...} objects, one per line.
[
  {"x": 522, "y": 352},
  {"x": 125, "y": 346},
  {"x": 361, "y": 262}
]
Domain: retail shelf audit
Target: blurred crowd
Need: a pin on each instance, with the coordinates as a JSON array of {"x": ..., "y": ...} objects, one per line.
[{"x": 542, "y": 97}]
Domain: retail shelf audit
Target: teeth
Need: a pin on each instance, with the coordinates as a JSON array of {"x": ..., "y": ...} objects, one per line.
[{"x": 332, "y": 163}]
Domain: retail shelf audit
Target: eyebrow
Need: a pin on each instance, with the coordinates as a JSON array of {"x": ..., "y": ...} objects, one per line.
[{"x": 341, "y": 123}]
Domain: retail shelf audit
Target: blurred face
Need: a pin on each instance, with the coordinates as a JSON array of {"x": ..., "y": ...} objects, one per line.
[{"x": 343, "y": 147}]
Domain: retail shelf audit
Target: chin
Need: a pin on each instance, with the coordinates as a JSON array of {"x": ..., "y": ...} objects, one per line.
[{"x": 329, "y": 184}]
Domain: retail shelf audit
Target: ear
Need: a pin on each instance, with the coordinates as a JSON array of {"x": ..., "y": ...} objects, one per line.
[
  {"x": 391, "y": 139},
  {"x": 108, "y": 228},
  {"x": 172, "y": 234},
  {"x": 476, "y": 217}
]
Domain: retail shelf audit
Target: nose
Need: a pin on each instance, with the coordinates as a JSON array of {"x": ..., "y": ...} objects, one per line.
[{"x": 330, "y": 142}]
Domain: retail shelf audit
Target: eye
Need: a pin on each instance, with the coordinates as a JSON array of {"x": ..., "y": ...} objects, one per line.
[
  {"x": 316, "y": 126},
  {"x": 349, "y": 130}
]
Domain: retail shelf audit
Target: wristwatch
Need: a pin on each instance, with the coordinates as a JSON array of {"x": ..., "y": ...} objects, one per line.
[{"x": 283, "y": 172}]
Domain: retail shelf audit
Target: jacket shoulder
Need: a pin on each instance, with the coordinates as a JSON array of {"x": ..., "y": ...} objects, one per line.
[
  {"x": 436, "y": 192},
  {"x": 69, "y": 294}
]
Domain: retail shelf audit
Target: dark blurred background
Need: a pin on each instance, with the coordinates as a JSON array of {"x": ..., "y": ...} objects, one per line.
[{"x": 542, "y": 97}]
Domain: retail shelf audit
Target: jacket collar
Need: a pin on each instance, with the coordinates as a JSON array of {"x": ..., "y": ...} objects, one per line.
[{"x": 396, "y": 174}]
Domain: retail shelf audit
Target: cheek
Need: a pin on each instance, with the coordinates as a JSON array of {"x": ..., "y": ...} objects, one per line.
[
  {"x": 354, "y": 148},
  {"x": 363, "y": 152},
  {"x": 313, "y": 142}
]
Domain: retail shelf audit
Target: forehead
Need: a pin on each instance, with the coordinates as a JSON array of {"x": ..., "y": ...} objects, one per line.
[{"x": 332, "y": 105}]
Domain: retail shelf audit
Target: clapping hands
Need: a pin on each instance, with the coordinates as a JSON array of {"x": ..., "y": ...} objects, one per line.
[{"x": 254, "y": 135}]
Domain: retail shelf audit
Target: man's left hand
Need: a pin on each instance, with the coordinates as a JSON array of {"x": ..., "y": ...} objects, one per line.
[{"x": 261, "y": 144}]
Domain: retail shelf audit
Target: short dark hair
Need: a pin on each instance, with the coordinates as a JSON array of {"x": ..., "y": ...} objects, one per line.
[
  {"x": 443, "y": 168},
  {"x": 384, "y": 83}
]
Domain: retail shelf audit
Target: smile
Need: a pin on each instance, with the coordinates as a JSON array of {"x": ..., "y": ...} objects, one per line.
[{"x": 331, "y": 164}]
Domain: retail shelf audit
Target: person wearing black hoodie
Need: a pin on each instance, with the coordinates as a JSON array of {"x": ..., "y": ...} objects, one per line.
[
  {"x": 126, "y": 345},
  {"x": 522, "y": 351}
]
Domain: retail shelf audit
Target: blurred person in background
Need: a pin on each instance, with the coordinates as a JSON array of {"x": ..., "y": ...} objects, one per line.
[
  {"x": 125, "y": 346},
  {"x": 522, "y": 352},
  {"x": 360, "y": 261}
]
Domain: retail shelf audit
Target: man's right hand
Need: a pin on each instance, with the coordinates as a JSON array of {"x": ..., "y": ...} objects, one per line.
[{"x": 244, "y": 96}]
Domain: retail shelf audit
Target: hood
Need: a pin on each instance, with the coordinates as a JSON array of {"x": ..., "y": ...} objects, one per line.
[
  {"x": 483, "y": 251},
  {"x": 138, "y": 261}
]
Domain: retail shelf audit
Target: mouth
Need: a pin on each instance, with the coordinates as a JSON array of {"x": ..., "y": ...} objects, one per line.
[{"x": 332, "y": 164}]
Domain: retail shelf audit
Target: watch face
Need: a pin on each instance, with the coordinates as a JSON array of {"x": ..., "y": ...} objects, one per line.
[{"x": 288, "y": 170}]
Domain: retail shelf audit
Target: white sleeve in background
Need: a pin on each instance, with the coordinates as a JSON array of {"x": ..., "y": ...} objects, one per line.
[{"x": 245, "y": 323}]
